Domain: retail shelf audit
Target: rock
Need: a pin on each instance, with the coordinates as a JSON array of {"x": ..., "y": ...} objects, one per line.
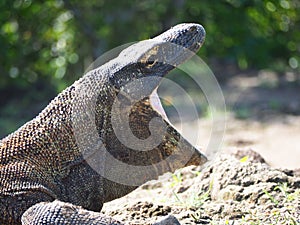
[
  {"x": 169, "y": 220},
  {"x": 229, "y": 190}
]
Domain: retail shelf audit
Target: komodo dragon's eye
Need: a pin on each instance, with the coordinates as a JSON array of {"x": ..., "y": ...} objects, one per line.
[
  {"x": 192, "y": 29},
  {"x": 150, "y": 61},
  {"x": 151, "y": 57}
]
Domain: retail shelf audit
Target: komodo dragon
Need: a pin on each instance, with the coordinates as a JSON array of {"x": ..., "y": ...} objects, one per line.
[{"x": 51, "y": 169}]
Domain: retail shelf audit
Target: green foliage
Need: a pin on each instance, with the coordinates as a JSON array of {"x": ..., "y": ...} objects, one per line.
[
  {"x": 242, "y": 113},
  {"x": 37, "y": 41},
  {"x": 252, "y": 33},
  {"x": 51, "y": 43},
  {"x": 177, "y": 178}
]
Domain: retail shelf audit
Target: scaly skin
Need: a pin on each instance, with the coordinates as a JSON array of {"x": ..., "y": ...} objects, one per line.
[{"x": 52, "y": 165}]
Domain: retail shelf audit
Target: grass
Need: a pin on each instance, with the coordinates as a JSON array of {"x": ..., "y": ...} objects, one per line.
[
  {"x": 176, "y": 178},
  {"x": 276, "y": 214},
  {"x": 194, "y": 201},
  {"x": 280, "y": 195}
]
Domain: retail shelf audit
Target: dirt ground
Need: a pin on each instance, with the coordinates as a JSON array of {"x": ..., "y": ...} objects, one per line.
[
  {"x": 277, "y": 142},
  {"x": 263, "y": 114},
  {"x": 270, "y": 107}
]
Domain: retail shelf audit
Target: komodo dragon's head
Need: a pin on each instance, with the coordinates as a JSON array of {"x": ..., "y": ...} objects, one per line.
[
  {"x": 139, "y": 138},
  {"x": 156, "y": 57}
]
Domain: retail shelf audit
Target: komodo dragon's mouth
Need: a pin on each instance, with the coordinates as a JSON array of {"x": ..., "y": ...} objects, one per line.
[
  {"x": 127, "y": 82},
  {"x": 198, "y": 158}
]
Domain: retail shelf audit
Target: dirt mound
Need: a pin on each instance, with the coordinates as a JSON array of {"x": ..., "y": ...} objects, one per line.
[{"x": 237, "y": 188}]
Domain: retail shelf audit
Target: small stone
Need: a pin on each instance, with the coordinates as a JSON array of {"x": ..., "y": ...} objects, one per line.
[{"x": 168, "y": 220}]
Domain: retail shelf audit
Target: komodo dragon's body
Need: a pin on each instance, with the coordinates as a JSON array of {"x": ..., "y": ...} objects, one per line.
[{"x": 47, "y": 159}]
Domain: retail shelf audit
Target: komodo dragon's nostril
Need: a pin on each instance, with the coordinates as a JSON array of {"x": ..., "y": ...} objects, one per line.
[{"x": 192, "y": 29}]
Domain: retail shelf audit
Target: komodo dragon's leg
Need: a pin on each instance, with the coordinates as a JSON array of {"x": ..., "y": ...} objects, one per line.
[{"x": 58, "y": 212}]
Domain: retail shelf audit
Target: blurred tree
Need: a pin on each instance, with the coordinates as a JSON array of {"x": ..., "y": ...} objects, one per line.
[
  {"x": 46, "y": 45},
  {"x": 256, "y": 33}
]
